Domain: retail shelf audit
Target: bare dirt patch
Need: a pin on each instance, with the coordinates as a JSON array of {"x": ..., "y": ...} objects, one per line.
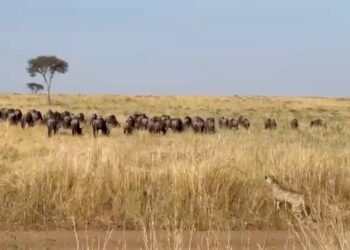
[{"x": 156, "y": 240}]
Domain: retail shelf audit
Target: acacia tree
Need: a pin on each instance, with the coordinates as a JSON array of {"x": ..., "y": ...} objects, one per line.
[
  {"x": 35, "y": 87},
  {"x": 47, "y": 66}
]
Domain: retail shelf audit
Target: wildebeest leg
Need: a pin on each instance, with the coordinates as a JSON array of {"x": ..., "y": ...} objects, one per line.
[
  {"x": 94, "y": 132},
  {"x": 49, "y": 132}
]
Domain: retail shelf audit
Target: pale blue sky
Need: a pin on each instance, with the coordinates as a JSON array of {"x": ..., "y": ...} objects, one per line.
[{"x": 248, "y": 47}]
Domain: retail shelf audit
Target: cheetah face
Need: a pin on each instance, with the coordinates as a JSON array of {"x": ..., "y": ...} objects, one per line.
[{"x": 268, "y": 179}]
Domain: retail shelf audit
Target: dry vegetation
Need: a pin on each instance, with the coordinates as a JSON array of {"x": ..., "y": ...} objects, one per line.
[{"x": 179, "y": 181}]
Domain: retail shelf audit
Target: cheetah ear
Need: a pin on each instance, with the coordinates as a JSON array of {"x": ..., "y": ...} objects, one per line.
[{"x": 265, "y": 177}]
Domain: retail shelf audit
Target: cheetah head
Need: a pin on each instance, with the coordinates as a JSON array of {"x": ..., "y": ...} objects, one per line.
[{"x": 269, "y": 179}]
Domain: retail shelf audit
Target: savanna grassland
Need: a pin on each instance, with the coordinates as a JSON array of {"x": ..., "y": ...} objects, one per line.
[{"x": 179, "y": 181}]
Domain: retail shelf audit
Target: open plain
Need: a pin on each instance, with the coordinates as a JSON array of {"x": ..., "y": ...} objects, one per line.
[{"x": 179, "y": 182}]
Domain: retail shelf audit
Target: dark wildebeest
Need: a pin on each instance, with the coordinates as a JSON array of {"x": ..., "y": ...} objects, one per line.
[
  {"x": 137, "y": 115},
  {"x": 140, "y": 121},
  {"x": 198, "y": 124},
  {"x": 129, "y": 125},
  {"x": 165, "y": 117},
  {"x": 65, "y": 113},
  {"x": 5, "y": 113},
  {"x": 167, "y": 122},
  {"x": 49, "y": 114},
  {"x": 52, "y": 126},
  {"x": 27, "y": 119},
  {"x": 12, "y": 119},
  {"x": 177, "y": 125},
  {"x": 156, "y": 125},
  {"x": 318, "y": 123},
  {"x": 187, "y": 122},
  {"x": 80, "y": 117},
  {"x": 244, "y": 122},
  {"x": 270, "y": 123},
  {"x": 58, "y": 116},
  {"x": 294, "y": 123},
  {"x": 75, "y": 126},
  {"x": 241, "y": 119},
  {"x": 150, "y": 123},
  {"x": 36, "y": 116},
  {"x": 67, "y": 121},
  {"x": 112, "y": 121},
  {"x": 224, "y": 122},
  {"x": 92, "y": 118},
  {"x": 14, "y": 116},
  {"x": 234, "y": 124},
  {"x": 18, "y": 114},
  {"x": 209, "y": 125},
  {"x": 159, "y": 127},
  {"x": 99, "y": 124}
]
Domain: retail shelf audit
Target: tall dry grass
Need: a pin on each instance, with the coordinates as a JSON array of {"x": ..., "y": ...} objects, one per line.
[{"x": 179, "y": 181}]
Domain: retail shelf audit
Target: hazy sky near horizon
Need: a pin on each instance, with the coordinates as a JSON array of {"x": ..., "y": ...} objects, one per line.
[{"x": 226, "y": 47}]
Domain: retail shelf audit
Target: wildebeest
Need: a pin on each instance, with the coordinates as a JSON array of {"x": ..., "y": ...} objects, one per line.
[
  {"x": 270, "y": 123},
  {"x": 92, "y": 118},
  {"x": 36, "y": 116},
  {"x": 18, "y": 114},
  {"x": 76, "y": 128},
  {"x": 233, "y": 124},
  {"x": 318, "y": 123},
  {"x": 80, "y": 117},
  {"x": 167, "y": 122},
  {"x": 67, "y": 121},
  {"x": 129, "y": 125},
  {"x": 27, "y": 119},
  {"x": 52, "y": 126},
  {"x": 48, "y": 115},
  {"x": 112, "y": 121},
  {"x": 241, "y": 119},
  {"x": 198, "y": 124},
  {"x": 209, "y": 125},
  {"x": 165, "y": 117},
  {"x": 156, "y": 125},
  {"x": 100, "y": 124},
  {"x": 140, "y": 121},
  {"x": 244, "y": 122},
  {"x": 5, "y": 113},
  {"x": 14, "y": 117},
  {"x": 294, "y": 123},
  {"x": 58, "y": 116},
  {"x": 176, "y": 125},
  {"x": 224, "y": 122},
  {"x": 65, "y": 113},
  {"x": 187, "y": 122}
]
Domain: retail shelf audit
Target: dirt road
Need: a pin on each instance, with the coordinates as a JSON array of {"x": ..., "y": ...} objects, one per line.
[{"x": 139, "y": 240}]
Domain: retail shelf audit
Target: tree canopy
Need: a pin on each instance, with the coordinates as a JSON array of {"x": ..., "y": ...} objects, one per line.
[
  {"x": 47, "y": 66},
  {"x": 35, "y": 87}
]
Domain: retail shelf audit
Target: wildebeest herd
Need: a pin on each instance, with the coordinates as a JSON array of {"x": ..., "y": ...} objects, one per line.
[{"x": 55, "y": 120}]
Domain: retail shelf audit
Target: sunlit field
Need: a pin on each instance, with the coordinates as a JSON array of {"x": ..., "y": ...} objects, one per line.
[{"x": 179, "y": 182}]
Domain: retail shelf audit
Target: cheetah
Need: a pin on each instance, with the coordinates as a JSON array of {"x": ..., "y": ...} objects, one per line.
[{"x": 295, "y": 199}]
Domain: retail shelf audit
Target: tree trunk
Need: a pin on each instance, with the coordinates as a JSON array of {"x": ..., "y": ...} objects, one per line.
[{"x": 48, "y": 96}]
